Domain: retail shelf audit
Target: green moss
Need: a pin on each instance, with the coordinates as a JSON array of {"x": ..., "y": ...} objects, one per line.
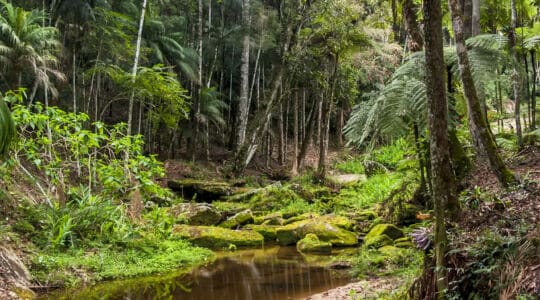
[
  {"x": 218, "y": 238},
  {"x": 378, "y": 241},
  {"x": 311, "y": 243},
  {"x": 322, "y": 227},
  {"x": 267, "y": 231},
  {"x": 241, "y": 218},
  {"x": 389, "y": 230}
]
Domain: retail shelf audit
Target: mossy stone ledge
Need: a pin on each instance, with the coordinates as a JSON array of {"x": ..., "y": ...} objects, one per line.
[{"x": 218, "y": 238}]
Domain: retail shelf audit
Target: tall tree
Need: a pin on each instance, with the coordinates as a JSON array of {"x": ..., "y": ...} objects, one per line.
[
  {"x": 476, "y": 17},
  {"x": 243, "y": 102},
  {"x": 135, "y": 66},
  {"x": 516, "y": 74},
  {"x": 414, "y": 36},
  {"x": 483, "y": 139},
  {"x": 443, "y": 181}
]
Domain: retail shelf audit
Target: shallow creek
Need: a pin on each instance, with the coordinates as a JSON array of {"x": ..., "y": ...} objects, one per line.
[{"x": 273, "y": 273}]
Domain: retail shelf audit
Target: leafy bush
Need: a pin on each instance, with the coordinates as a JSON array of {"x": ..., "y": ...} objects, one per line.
[
  {"x": 67, "y": 152},
  {"x": 351, "y": 166}
]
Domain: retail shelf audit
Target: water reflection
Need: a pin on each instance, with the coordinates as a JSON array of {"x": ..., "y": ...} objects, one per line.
[{"x": 270, "y": 274}]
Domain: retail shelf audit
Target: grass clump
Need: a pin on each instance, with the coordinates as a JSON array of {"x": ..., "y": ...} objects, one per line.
[{"x": 76, "y": 266}]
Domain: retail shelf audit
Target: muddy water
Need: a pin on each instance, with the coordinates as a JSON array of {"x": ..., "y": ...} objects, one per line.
[{"x": 276, "y": 273}]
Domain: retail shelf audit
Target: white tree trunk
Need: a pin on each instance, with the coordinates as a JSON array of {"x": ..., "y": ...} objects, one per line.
[
  {"x": 136, "y": 65},
  {"x": 243, "y": 102},
  {"x": 475, "y": 17}
]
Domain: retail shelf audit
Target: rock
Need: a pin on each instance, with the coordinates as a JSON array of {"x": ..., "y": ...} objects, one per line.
[
  {"x": 373, "y": 168},
  {"x": 296, "y": 218},
  {"x": 202, "y": 191},
  {"x": 273, "y": 219},
  {"x": 244, "y": 195},
  {"x": 377, "y": 241},
  {"x": 340, "y": 265},
  {"x": 241, "y": 218},
  {"x": 267, "y": 231},
  {"x": 15, "y": 274},
  {"x": 196, "y": 213},
  {"x": 218, "y": 238},
  {"x": 321, "y": 227},
  {"x": 404, "y": 242},
  {"x": 311, "y": 243},
  {"x": 389, "y": 230}
]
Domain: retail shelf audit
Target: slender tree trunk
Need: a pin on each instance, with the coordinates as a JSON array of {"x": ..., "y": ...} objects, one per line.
[
  {"x": 74, "y": 81},
  {"x": 466, "y": 10},
  {"x": 395, "y": 24},
  {"x": 475, "y": 17},
  {"x": 198, "y": 97},
  {"x": 527, "y": 87},
  {"x": 307, "y": 137},
  {"x": 136, "y": 65},
  {"x": 243, "y": 102},
  {"x": 294, "y": 170},
  {"x": 533, "y": 92},
  {"x": 281, "y": 139},
  {"x": 484, "y": 141},
  {"x": 516, "y": 76},
  {"x": 443, "y": 181},
  {"x": 414, "y": 37}
]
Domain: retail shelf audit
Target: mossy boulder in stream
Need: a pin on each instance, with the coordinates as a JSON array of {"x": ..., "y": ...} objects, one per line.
[
  {"x": 382, "y": 235},
  {"x": 218, "y": 238},
  {"x": 201, "y": 191},
  {"x": 241, "y": 218},
  {"x": 196, "y": 214},
  {"x": 311, "y": 243},
  {"x": 323, "y": 227},
  {"x": 267, "y": 231}
]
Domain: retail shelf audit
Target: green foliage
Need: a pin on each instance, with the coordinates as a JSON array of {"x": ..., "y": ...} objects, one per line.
[
  {"x": 373, "y": 191},
  {"x": 59, "y": 145},
  {"x": 7, "y": 127},
  {"x": 391, "y": 156},
  {"x": 143, "y": 258},
  {"x": 387, "y": 261},
  {"x": 352, "y": 165}
]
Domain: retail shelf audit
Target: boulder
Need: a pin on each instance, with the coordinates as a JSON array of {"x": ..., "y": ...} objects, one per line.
[
  {"x": 404, "y": 242},
  {"x": 196, "y": 214},
  {"x": 267, "y": 231},
  {"x": 389, "y": 230},
  {"x": 218, "y": 238},
  {"x": 378, "y": 241},
  {"x": 201, "y": 191},
  {"x": 273, "y": 219},
  {"x": 241, "y": 218},
  {"x": 311, "y": 243},
  {"x": 373, "y": 168},
  {"x": 14, "y": 273},
  {"x": 322, "y": 227}
]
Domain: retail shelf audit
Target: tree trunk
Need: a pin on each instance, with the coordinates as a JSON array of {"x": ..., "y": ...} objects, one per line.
[
  {"x": 466, "y": 9},
  {"x": 136, "y": 65},
  {"x": 197, "y": 98},
  {"x": 243, "y": 102},
  {"x": 443, "y": 181},
  {"x": 281, "y": 139},
  {"x": 395, "y": 25},
  {"x": 294, "y": 170},
  {"x": 307, "y": 138},
  {"x": 414, "y": 36},
  {"x": 475, "y": 29},
  {"x": 484, "y": 141},
  {"x": 533, "y": 92},
  {"x": 516, "y": 76}
]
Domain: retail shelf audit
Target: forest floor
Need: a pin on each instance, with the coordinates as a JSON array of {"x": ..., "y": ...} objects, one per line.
[{"x": 520, "y": 204}]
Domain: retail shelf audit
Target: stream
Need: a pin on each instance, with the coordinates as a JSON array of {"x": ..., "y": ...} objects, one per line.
[{"x": 264, "y": 274}]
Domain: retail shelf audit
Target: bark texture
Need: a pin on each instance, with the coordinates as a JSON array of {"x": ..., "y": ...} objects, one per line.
[
  {"x": 483, "y": 140},
  {"x": 443, "y": 181},
  {"x": 414, "y": 36}
]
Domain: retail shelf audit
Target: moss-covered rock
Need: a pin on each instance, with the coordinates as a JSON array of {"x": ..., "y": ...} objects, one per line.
[
  {"x": 196, "y": 214},
  {"x": 378, "y": 241},
  {"x": 267, "y": 231},
  {"x": 273, "y": 219},
  {"x": 322, "y": 227},
  {"x": 201, "y": 191},
  {"x": 311, "y": 243},
  {"x": 218, "y": 238},
  {"x": 241, "y": 218},
  {"x": 404, "y": 242},
  {"x": 389, "y": 230},
  {"x": 292, "y": 218}
]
